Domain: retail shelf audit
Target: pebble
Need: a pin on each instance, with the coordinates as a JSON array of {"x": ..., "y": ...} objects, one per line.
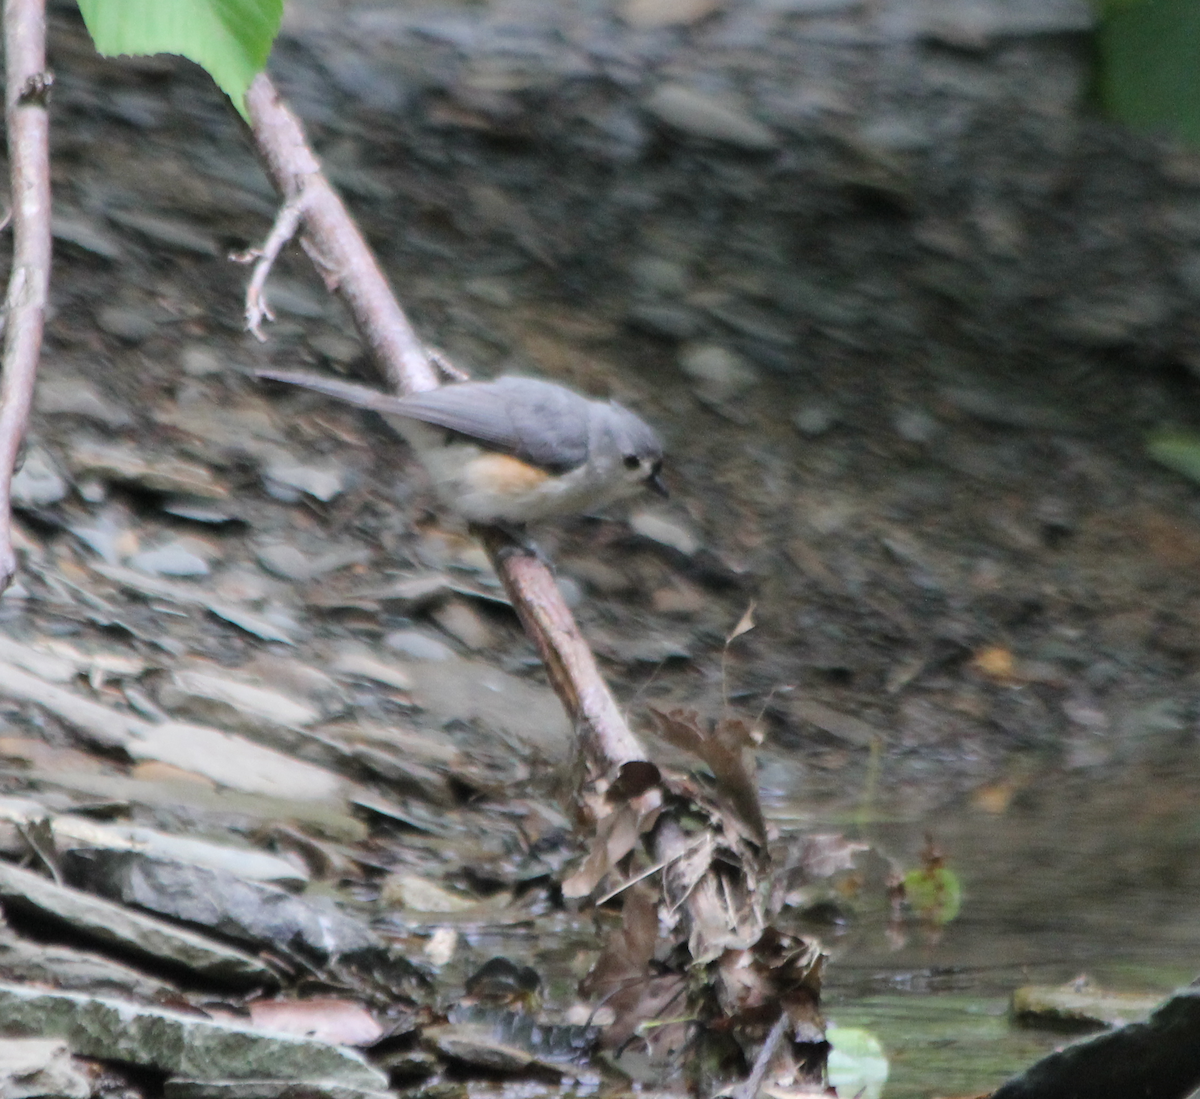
[
  {"x": 180, "y": 235},
  {"x": 673, "y": 322},
  {"x": 199, "y": 360},
  {"x": 751, "y": 321},
  {"x": 713, "y": 117},
  {"x": 419, "y": 646},
  {"x": 915, "y": 425},
  {"x": 285, "y": 561},
  {"x": 70, "y": 394},
  {"x": 38, "y": 484},
  {"x": 657, "y": 275},
  {"x": 358, "y": 663},
  {"x": 718, "y": 372},
  {"x": 128, "y": 324},
  {"x": 602, "y": 577},
  {"x": 156, "y": 473},
  {"x": 288, "y": 481},
  {"x": 811, "y": 7},
  {"x": 1013, "y": 409},
  {"x": 814, "y": 419},
  {"x": 665, "y": 531},
  {"x": 645, "y": 14},
  {"x": 297, "y": 298},
  {"x": 464, "y": 624},
  {"x": 494, "y": 291},
  {"x": 169, "y": 560},
  {"x": 85, "y": 234}
]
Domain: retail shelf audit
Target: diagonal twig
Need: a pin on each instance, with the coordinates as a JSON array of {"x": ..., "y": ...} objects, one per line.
[
  {"x": 349, "y": 267},
  {"x": 27, "y": 87}
]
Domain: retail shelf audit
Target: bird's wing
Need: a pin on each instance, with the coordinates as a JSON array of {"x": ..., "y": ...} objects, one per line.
[{"x": 536, "y": 421}]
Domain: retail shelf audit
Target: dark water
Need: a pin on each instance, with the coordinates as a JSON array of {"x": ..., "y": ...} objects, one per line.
[{"x": 1063, "y": 877}]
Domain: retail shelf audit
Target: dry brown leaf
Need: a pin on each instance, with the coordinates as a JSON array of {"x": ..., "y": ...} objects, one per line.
[
  {"x": 724, "y": 746},
  {"x": 622, "y": 979},
  {"x": 745, "y": 623}
]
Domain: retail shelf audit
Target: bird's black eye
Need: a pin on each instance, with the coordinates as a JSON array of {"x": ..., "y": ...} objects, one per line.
[{"x": 632, "y": 461}]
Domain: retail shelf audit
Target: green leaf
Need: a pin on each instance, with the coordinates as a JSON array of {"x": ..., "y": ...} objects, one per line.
[
  {"x": 231, "y": 39},
  {"x": 1149, "y": 71},
  {"x": 857, "y": 1064},
  {"x": 1177, "y": 450},
  {"x": 934, "y": 893}
]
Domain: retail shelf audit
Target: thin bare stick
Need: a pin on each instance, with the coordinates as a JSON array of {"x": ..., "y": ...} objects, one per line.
[
  {"x": 27, "y": 87},
  {"x": 287, "y": 221},
  {"x": 753, "y": 1085},
  {"x": 346, "y": 262},
  {"x": 349, "y": 267}
]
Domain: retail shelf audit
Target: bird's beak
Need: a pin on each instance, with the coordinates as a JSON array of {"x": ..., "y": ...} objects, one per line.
[{"x": 656, "y": 484}]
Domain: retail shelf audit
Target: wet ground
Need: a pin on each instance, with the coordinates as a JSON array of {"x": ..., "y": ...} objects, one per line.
[{"x": 975, "y": 595}]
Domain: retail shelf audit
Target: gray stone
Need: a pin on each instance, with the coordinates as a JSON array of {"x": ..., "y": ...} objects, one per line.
[
  {"x": 1007, "y": 408},
  {"x": 665, "y": 531},
  {"x": 288, "y": 481},
  {"x": 285, "y": 561},
  {"x": 657, "y": 275},
  {"x": 170, "y": 560},
  {"x": 32, "y": 1067},
  {"x": 141, "y": 935},
  {"x": 60, "y": 967},
  {"x": 705, "y": 115},
  {"x": 753, "y": 322},
  {"x": 156, "y": 473},
  {"x": 200, "y": 360},
  {"x": 66, "y": 393},
  {"x": 418, "y": 646},
  {"x": 252, "y": 913},
  {"x": 83, "y": 233},
  {"x": 915, "y": 425},
  {"x": 129, "y": 324},
  {"x": 718, "y": 372},
  {"x": 645, "y": 14},
  {"x": 175, "y": 233},
  {"x": 190, "y": 1045},
  {"x": 37, "y": 484},
  {"x": 674, "y": 322},
  {"x": 267, "y": 1089},
  {"x": 521, "y": 711},
  {"x": 814, "y": 419}
]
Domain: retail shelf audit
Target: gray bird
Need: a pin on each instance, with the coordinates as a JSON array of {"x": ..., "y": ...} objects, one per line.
[{"x": 514, "y": 450}]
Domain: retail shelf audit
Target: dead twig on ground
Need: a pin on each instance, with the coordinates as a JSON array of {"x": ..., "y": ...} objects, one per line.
[{"x": 27, "y": 87}]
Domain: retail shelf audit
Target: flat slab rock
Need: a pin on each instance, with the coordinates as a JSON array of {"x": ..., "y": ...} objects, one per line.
[
  {"x": 266, "y": 1089},
  {"x": 183, "y": 1045},
  {"x": 39, "y": 1066},
  {"x": 117, "y": 925}
]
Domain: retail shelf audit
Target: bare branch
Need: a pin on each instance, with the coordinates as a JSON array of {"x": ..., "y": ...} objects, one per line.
[
  {"x": 27, "y": 87},
  {"x": 346, "y": 262},
  {"x": 349, "y": 267},
  {"x": 287, "y": 221},
  {"x": 605, "y": 737}
]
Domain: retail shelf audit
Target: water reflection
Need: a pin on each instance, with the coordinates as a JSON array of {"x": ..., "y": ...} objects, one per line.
[{"x": 1062, "y": 875}]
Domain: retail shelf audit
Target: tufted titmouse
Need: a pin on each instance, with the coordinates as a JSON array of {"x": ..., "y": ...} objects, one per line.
[{"x": 514, "y": 450}]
